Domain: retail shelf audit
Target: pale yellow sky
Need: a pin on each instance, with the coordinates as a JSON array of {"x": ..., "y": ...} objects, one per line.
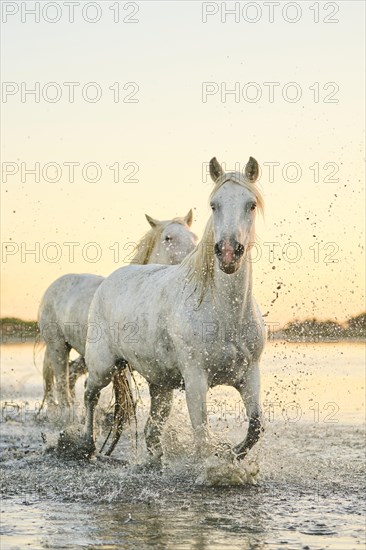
[{"x": 315, "y": 197}]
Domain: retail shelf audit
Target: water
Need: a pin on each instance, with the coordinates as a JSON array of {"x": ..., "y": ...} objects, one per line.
[{"x": 301, "y": 487}]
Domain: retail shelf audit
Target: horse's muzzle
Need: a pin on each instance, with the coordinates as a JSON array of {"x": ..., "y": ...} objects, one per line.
[{"x": 229, "y": 253}]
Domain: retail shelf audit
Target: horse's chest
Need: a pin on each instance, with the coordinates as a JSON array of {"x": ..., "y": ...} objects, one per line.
[{"x": 227, "y": 363}]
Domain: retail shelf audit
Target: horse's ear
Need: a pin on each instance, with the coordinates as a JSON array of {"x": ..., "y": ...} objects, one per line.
[
  {"x": 215, "y": 169},
  {"x": 151, "y": 221},
  {"x": 252, "y": 169},
  {"x": 189, "y": 218}
]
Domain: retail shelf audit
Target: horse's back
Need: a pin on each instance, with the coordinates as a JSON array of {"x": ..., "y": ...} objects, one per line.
[
  {"x": 134, "y": 294},
  {"x": 131, "y": 283},
  {"x": 69, "y": 285},
  {"x": 66, "y": 303},
  {"x": 132, "y": 277}
]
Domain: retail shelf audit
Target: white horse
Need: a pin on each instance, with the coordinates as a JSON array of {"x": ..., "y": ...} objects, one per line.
[
  {"x": 63, "y": 313},
  {"x": 197, "y": 324}
]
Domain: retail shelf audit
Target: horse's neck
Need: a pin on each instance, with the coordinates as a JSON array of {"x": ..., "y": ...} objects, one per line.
[
  {"x": 233, "y": 293},
  {"x": 156, "y": 257}
]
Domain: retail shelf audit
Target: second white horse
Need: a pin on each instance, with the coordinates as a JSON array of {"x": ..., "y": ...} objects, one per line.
[{"x": 63, "y": 313}]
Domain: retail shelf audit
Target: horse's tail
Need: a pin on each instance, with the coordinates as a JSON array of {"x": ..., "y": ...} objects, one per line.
[
  {"x": 39, "y": 343},
  {"x": 124, "y": 408}
]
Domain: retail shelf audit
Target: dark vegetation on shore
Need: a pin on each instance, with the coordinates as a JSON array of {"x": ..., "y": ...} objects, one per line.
[
  {"x": 324, "y": 331},
  {"x": 310, "y": 330},
  {"x": 13, "y": 329}
]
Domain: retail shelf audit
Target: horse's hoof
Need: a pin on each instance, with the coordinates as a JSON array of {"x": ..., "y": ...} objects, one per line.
[{"x": 71, "y": 446}]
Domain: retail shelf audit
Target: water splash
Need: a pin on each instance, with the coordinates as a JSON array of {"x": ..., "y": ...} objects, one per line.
[{"x": 223, "y": 471}]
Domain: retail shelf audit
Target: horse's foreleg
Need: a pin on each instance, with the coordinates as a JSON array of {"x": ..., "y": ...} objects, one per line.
[
  {"x": 196, "y": 387},
  {"x": 91, "y": 398},
  {"x": 249, "y": 390},
  {"x": 161, "y": 400},
  {"x": 94, "y": 385},
  {"x": 97, "y": 380}
]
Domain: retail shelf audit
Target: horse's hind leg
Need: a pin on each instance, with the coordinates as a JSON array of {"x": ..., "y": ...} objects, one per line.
[
  {"x": 48, "y": 379},
  {"x": 56, "y": 363},
  {"x": 160, "y": 407},
  {"x": 59, "y": 357},
  {"x": 76, "y": 369}
]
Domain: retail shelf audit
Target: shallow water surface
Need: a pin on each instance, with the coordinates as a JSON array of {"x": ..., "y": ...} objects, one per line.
[{"x": 302, "y": 486}]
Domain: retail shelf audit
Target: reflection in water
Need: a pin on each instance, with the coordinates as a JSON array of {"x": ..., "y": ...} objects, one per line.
[
  {"x": 202, "y": 524},
  {"x": 266, "y": 516},
  {"x": 309, "y": 493}
]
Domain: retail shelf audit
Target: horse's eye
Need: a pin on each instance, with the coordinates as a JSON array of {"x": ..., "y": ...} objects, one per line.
[
  {"x": 168, "y": 239},
  {"x": 213, "y": 207},
  {"x": 253, "y": 206}
]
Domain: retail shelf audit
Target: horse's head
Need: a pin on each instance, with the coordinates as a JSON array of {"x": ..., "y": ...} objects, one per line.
[
  {"x": 233, "y": 202},
  {"x": 174, "y": 239}
]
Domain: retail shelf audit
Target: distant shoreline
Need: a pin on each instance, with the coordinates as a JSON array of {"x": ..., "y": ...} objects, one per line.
[
  {"x": 17, "y": 340},
  {"x": 17, "y": 331}
]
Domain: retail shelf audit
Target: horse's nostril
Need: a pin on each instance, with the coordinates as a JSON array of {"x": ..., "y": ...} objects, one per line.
[
  {"x": 239, "y": 250},
  {"x": 217, "y": 249}
]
